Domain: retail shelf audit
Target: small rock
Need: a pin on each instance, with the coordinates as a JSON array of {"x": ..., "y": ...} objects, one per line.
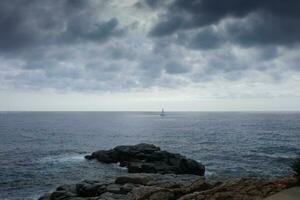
[
  {"x": 112, "y": 196},
  {"x": 144, "y": 192},
  {"x": 89, "y": 157},
  {"x": 127, "y": 188},
  {"x": 45, "y": 196},
  {"x": 102, "y": 156},
  {"x": 90, "y": 189},
  {"x": 162, "y": 195},
  {"x": 115, "y": 189},
  {"x": 61, "y": 195},
  {"x": 70, "y": 188},
  {"x": 141, "y": 179}
]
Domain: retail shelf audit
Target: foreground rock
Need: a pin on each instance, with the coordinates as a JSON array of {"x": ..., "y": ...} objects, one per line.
[
  {"x": 168, "y": 187},
  {"x": 243, "y": 188},
  {"x": 131, "y": 186},
  {"x": 147, "y": 158}
]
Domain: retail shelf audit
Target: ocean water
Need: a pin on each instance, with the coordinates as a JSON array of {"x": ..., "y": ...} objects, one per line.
[{"x": 41, "y": 150}]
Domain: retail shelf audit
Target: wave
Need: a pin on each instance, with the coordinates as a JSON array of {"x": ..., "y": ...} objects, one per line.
[{"x": 63, "y": 158}]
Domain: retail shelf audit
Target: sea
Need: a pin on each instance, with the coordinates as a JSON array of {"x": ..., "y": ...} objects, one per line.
[{"x": 42, "y": 150}]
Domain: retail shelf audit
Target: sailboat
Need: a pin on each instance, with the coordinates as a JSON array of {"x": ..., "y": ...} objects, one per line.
[{"x": 162, "y": 113}]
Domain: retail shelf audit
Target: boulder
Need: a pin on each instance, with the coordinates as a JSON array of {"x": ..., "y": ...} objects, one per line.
[
  {"x": 144, "y": 192},
  {"x": 112, "y": 196},
  {"x": 61, "y": 195},
  {"x": 141, "y": 179},
  {"x": 163, "y": 195},
  {"x": 90, "y": 188},
  {"x": 45, "y": 197},
  {"x": 115, "y": 189},
  {"x": 127, "y": 187},
  {"x": 68, "y": 187},
  {"x": 148, "y": 158}
]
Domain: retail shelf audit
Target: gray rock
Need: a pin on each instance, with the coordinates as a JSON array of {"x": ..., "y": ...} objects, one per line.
[
  {"x": 61, "y": 195},
  {"x": 127, "y": 187},
  {"x": 148, "y": 158},
  {"x": 45, "y": 196},
  {"x": 69, "y": 187},
  {"x": 144, "y": 192},
  {"x": 103, "y": 156},
  {"x": 174, "y": 181},
  {"x": 112, "y": 196},
  {"x": 170, "y": 187},
  {"x": 90, "y": 188},
  {"x": 115, "y": 189},
  {"x": 141, "y": 179},
  {"x": 163, "y": 195}
]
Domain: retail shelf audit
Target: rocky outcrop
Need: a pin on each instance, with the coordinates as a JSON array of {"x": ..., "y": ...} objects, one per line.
[
  {"x": 147, "y": 158},
  {"x": 168, "y": 187},
  {"x": 167, "y": 177},
  {"x": 131, "y": 186}
]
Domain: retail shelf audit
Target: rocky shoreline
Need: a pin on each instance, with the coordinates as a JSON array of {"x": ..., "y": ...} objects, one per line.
[{"x": 159, "y": 175}]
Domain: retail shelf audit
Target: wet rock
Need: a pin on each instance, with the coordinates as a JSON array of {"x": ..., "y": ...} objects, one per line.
[
  {"x": 45, "y": 196},
  {"x": 89, "y": 157},
  {"x": 246, "y": 188},
  {"x": 141, "y": 179},
  {"x": 61, "y": 195},
  {"x": 144, "y": 192},
  {"x": 162, "y": 195},
  {"x": 115, "y": 189},
  {"x": 90, "y": 188},
  {"x": 174, "y": 180},
  {"x": 112, "y": 196},
  {"x": 70, "y": 188},
  {"x": 148, "y": 158},
  {"x": 126, "y": 188},
  {"x": 170, "y": 187},
  {"x": 104, "y": 156}
]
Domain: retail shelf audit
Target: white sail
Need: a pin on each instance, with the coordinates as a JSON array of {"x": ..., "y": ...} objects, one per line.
[{"x": 162, "y": 112}]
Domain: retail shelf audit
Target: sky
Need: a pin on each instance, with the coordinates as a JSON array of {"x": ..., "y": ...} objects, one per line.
[{"x": 135, "y": 55}]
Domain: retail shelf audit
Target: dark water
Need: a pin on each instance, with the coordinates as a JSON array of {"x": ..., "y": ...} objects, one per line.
[{"x": 41, "y": 150}]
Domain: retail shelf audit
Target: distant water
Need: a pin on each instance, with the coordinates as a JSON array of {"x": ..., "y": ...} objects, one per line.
[{"x": 41, "y": 150}]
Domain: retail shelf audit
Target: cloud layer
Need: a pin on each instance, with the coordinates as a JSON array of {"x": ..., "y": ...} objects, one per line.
[
  {"x": 32, "y": 23},
  {"x": 257, "y": 22},
  {"x": 113, "y": 46}
]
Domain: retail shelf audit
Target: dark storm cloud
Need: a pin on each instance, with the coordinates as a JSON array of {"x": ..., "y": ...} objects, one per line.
[
  {"x": 153, "y": 4},
  {"x": 79, "y": 31},
  {"x": 204, "y": 40},
  {"x": 29, "y": 23},
  {"x": 103, "y": 45},
  {"x": 257, "y": 22},
  {"x": 175, "y": 68}
]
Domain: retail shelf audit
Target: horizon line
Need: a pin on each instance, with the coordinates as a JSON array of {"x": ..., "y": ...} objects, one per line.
[{"x": 149, "y": 110}]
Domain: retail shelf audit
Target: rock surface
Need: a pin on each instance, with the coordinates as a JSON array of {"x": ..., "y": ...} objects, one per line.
[
  {"x": 168, "y": 187},
  {"x": 147, "y": 158},
  {"x": 167, "y": 177},
  {"x": 246, "y": 188},
  {"x": 131, "y": 186}
]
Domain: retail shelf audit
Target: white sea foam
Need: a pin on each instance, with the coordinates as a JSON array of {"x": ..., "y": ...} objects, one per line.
[
  {"x": 63, "y": 158},
  {"x": 119, "y": 167},
  {"x": 208, "y": 173},
  {"x": 276, "y": 155}
]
